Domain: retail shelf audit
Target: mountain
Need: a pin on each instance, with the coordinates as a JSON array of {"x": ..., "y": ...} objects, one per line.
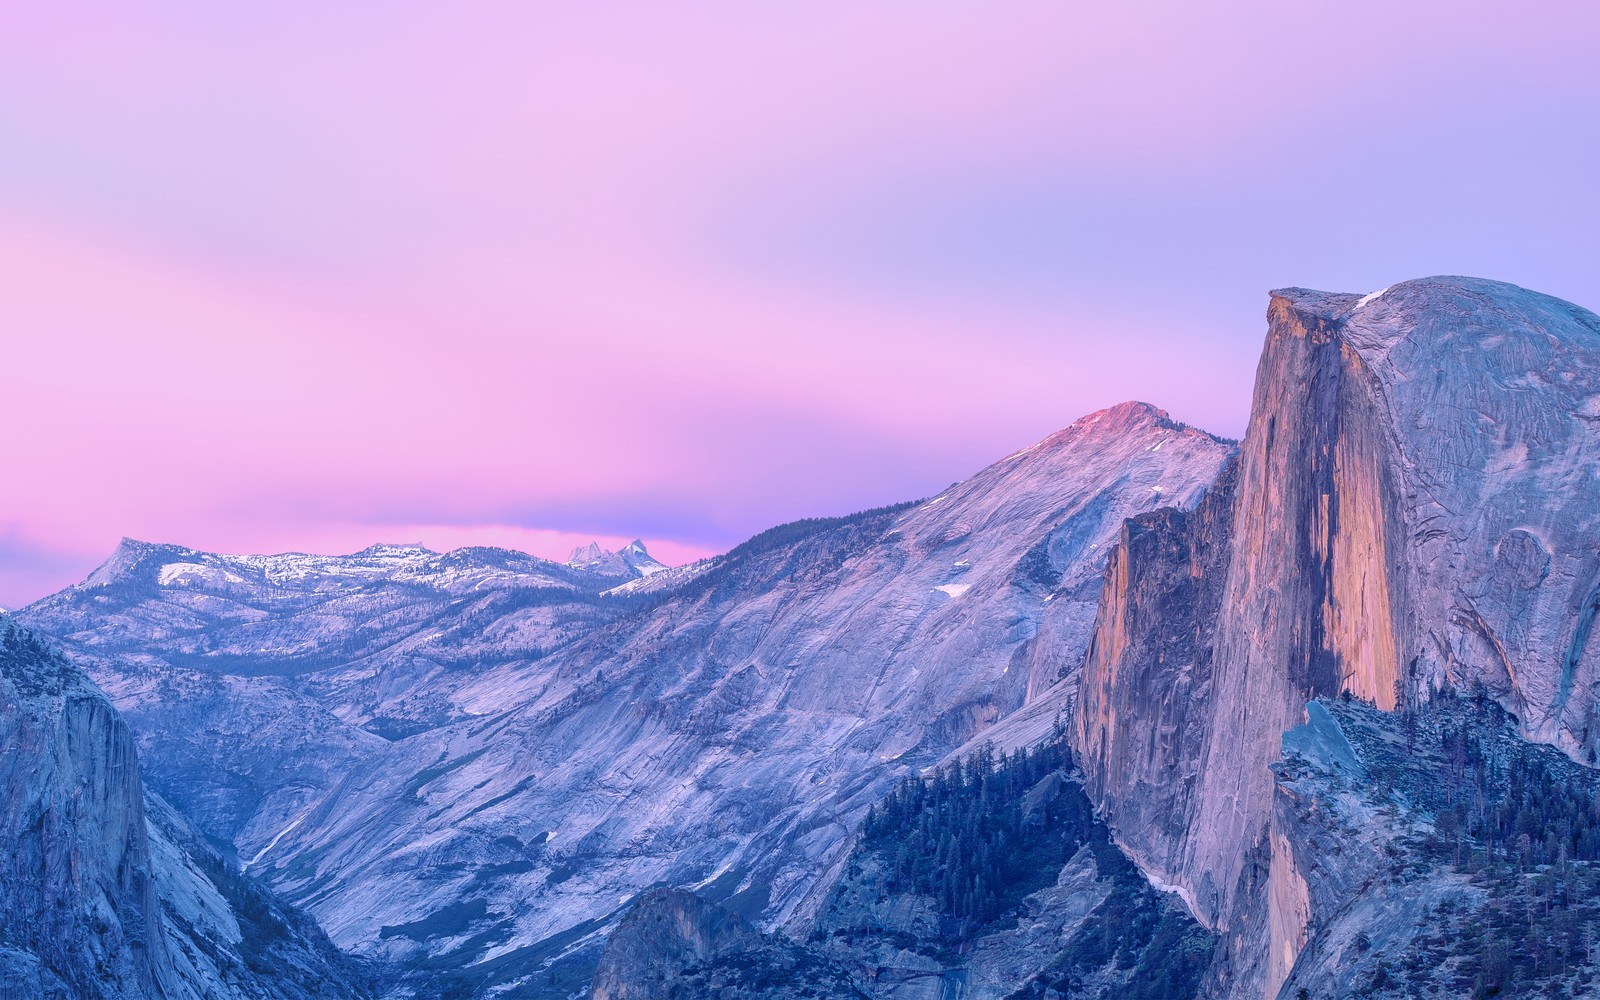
[
  {"x": 633, "y": 561},
  {"x": 1329, "y": 695},
  {"x": 109, "y": 893},
  {"x": 728, "y": 733},
  {"x": 276, "y": 675},
  {"x": 1413, "y": 511}
]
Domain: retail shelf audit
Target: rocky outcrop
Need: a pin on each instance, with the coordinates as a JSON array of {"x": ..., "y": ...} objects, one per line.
[
  {"x": 673, "y": 945},
  {"x": 998, "y": 881},
  {"x": 76, "y": 884},
  {"x": 108, "y": 894},
  {"x": 1146, "y": 685},
  {"x": 1415, "y": 507},
  {"x": 1433, "y": 853}
]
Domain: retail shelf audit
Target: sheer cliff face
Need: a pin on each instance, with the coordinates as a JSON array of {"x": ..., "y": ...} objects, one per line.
[
  {"x": 77, "y": 857},
  {"x": 107, "y": 894},
  {"x": 1491, "y": 398},
  {"x": 1416, "y": 504}
]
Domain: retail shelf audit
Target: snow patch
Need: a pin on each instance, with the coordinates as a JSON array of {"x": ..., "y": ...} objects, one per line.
[
  {"x": 953, "y": 589},
  {"x": 1369, "y": 298},
  {"x": 180, "y": 574},
  {"x": 274, "y": 841}
]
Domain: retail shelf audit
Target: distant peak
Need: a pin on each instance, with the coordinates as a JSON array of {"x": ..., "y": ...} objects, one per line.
[
  {"x": 1130, "y": 411},
  {"x": 395, "y": 548},
  {"x": 134, "y": 547},
  {"x": 633, "y": 560},
  {"x": 584, "y": 555},
  {"x": 129, "y": 554},
  {"x": 1130, "y": 416}
]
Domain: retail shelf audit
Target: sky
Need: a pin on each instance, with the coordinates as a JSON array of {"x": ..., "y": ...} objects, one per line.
[{"x": 311, "y": 276}]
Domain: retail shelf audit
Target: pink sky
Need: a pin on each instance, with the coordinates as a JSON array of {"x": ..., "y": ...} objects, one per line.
[{"x": 316, "y": 276}]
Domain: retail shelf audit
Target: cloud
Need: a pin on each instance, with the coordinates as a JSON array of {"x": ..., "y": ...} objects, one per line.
[{"x": 293, "y": 272}]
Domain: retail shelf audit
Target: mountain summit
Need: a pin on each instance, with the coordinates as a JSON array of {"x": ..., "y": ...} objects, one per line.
[
  {"x": 1335, "y": 688},
  {"x": 632, "y": 561}
]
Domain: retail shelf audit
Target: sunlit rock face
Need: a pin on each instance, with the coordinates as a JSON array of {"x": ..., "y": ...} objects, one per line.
[{"x": 1416, "y": 504}]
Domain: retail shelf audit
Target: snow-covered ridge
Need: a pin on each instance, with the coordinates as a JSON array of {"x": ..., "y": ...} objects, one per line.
[
  {"x": 459, "y": 570},
  {"x": 379, "y": 638}
]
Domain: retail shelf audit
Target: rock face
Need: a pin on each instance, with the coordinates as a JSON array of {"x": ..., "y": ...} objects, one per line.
[
  {"x": 106, "y": 895},
  {"x": 1387, "y": 822},
  {"x": 77, "y": 852},
  {"x": 725, "y": 728},
  {"x": 1415, "y": 506}
]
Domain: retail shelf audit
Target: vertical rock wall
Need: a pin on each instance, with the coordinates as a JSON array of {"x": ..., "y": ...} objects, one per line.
[
  {"x": 1416, "y": 504},
  {"x": 75, "y": 882}
]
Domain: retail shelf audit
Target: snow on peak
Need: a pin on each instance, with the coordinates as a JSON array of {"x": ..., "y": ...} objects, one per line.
[
  {"x": 585, "y": 556},
  {"x": 633, "y": 560},
  {"x": 640, "y": 560}
]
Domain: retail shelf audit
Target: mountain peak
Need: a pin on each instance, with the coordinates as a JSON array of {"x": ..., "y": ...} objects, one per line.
[
  {"x": 587, "y": 555},
  {"x": 1127, "y": 418},
  {"x": 128, "y": 554},
  {"x": 395, "y": 549},
  {"x": 633, "y": 560},
  {"x": 1126, "y": 414}
]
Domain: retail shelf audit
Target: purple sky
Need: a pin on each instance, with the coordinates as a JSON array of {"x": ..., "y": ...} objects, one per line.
[{"x": 316, "y": 275}]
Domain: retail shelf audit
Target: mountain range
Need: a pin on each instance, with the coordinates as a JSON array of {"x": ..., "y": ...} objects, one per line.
[{"x": 1135, "y": 711}]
